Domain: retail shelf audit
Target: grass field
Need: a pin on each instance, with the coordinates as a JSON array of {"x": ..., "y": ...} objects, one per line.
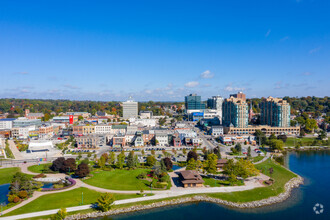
[
  {"x": 65, "y": 199},
  {"x": 118, "y": 179},
  {"x": 305, "y": 141},
  {"x": 39, "y": 168},
  {"x": 218, "y": 183},
  {"x": 257, "y": 159},
  {"x": 280, "y": 175},
  {"x": 6, "y": 174}
]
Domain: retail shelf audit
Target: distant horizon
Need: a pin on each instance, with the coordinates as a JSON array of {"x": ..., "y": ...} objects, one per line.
[{"x": 203, "y": 100}]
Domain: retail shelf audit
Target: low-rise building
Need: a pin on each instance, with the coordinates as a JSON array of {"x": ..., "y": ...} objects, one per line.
[
  {"x": 23, "y": 122},
  {"x": 118, "y": 141},
  {"x": 6, "y": 123},
  {"x": 90, "y": 141},
  {"x": 146, "y": 114},
  {"x": 162, "y": 138},
  {"x": 216, "y": 130},
  {"x": 103, "y": 129},
  {"x": 190, "y": 178},
  {"x": 268, "y": 130},
  {"x": 138, "y": 140}
]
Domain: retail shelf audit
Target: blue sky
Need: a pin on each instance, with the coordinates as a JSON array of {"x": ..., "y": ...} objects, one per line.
[{"x": 163, "y": 50}]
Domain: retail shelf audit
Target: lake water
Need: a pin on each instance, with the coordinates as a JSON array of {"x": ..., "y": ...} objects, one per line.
[
  {"x": 4, "y": 190},
  {"x": 313, "y": 166}
]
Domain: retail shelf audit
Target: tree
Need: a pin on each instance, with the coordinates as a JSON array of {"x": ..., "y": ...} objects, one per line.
[
  {"x": 322, "y": 135},
  {"x": 238, "y": 148},
  {"x": 136, "y": 161},
  {"x": 82, "y": 171},
  {"x": 105, "y": 201},
  {"x": 168, "y": 163},
  {"x": 130, "y": 159},
  {"x": 192, "y": 154},
  {"x": 272, "y": 137},
  {"x": 261, "y": 137},
  {"x": 191, "y": 165},
  {"x": 121, "y": 160},
  {"x": 101, "y": 162},
  {"x": 106, "y": 157},
  {"x": 249, "y": 152},
  {"x": 21, "y": 182},
  {"x": 142, "y": 152},
  {"x": 276, "y": 144},
  {"x": 282, "y": 137},
  {"x": 57, "y": 164},
  {"x": 61, "y": 214},
  {"x": 184, "y": 151},
  {"x": 153, "y": 152},
  {"x": 69, "y": 165},
  {"x": 211, "y": 163},
  {"x": 112, "y": 157},
  {"x": 151, "y": 160},
  {"x": 242, "y": 168},
  {"x": 217, "y": 152},
  {"x": 80, "y": 118},
  {"x": 163, "y": 168}
]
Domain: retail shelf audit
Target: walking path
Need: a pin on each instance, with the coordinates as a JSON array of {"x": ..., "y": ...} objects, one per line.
[
  {"x": 14, "y": 150},
  {"x": 251, "y": 183},
  {"x": 263, "y": 159},
  {"x": 175, "y": 191}
]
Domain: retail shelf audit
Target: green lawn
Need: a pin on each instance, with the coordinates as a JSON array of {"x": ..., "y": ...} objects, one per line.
[
  {"x": 218, "y": 183},
  {"x": 305, "y": 141},
  {"x": 118, "y": 179},
  {"x": 280, "y": 175},
  {"x": 257, "y": 159},
  {"x": 6, "y": 174},
  {"x": 39, "y": 168},
  {"x": 65, "y": 199}
]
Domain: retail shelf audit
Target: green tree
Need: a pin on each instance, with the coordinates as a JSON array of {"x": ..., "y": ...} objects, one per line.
[
  {"x": 276, "y": 144},
  {"x": 61, "y": 214},
  {"x": 130, "y": 159},
  {"x": 151, "y": 160},
  {"x": 101, "y": 162},
  {"x": 112, "y": 157},
  {"x": 249, "y": 152},
  {"x": 211, "y": 163},
  {"x": 105, "y": 201},
  {"x": 121, "y": 160},
  {"x": 191, "y": 165}
]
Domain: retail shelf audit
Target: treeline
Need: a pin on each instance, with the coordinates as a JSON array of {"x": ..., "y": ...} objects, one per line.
[
  {"x": 17, "y": 106},
  {"x": 310, "y": 104}
]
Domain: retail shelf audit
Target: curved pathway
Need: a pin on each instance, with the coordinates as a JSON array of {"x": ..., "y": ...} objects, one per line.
[{"x": 250, "y": 183}]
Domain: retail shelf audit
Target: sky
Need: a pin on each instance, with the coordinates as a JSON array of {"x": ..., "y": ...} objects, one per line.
[{"x": 163, "y": 50}]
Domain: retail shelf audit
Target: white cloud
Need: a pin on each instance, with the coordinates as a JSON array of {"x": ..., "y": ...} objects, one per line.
[
  {"x": 207, "y": 74},
  {"x": 268, "y": 32},
  {"x": 285, "y": 38},
  {"x": 314, "y": 50},
  {"x": 230, "y": 88},
  {"x": 191, "y": 84}
]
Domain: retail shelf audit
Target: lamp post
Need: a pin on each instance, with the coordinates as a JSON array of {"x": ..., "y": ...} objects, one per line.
[
  {"x": 82, "y": 198},
  {"x": 151, "y": 187}
]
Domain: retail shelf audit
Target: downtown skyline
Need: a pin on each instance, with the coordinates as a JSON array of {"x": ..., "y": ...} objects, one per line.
[{"x": 164, "y": 51}]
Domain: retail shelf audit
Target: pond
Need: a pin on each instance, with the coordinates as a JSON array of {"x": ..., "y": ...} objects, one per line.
[
  {"x": 48, "y": 186},
  {"x": 4, "y": 190},
  {"x": 176, "y": 167}
]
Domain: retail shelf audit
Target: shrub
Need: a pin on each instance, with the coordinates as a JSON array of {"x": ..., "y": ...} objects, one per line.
[
  {"x": 142, "y": 175},
  {"x": 16, "y": 199},
  {"x": 11, "y": 198},
  {"x": 22, "y": 194},
  {"x": 41, "y": 175},
  {"x": 105, "y": 202}
]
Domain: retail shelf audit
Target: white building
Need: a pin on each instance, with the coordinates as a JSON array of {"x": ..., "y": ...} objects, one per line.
[
  {"x": 215, "y": 103},
  {"x": 211, "y": 113},
  {"x": 186, "y": 134},
  {"x": 161, "y": 137},
  {"x": 145, "y": 122},
  {"x": 6, "y": 123},
  {"x": 146, "y": 114},
  {"x": 103, "y": 129},
  {"x": 130, "y": 109},
  {"x": 216, "y": 130}
]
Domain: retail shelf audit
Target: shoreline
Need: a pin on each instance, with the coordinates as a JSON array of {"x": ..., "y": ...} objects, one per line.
[{"x": 291, "y": 184}]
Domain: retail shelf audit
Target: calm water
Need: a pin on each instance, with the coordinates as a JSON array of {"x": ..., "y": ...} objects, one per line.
[
  {"x": 4, "y": 190},
  {"x": 47, "y": 185},
  {"x": 313, "y": 166}
]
